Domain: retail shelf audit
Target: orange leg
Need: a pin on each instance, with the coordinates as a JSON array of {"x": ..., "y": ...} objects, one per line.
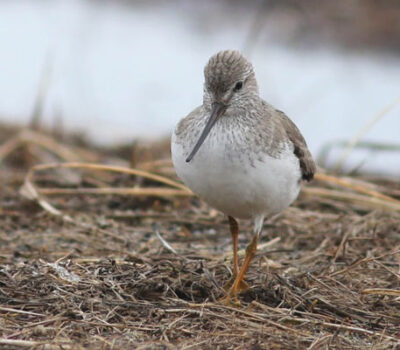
[
  {"x": 239, "y": 281},
  {"x": 234, "y": 227}
]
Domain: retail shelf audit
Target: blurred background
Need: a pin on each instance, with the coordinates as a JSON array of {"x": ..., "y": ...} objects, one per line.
[{"x": 122, "y": 70}]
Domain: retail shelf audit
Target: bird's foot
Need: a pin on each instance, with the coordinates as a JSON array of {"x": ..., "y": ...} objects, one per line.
[
  {"x": 241, "y": 287},
  {"x": 230, "y": 300},
  {"x": 233, "y": 288}
]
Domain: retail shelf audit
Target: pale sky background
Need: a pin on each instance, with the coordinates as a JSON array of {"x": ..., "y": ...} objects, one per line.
[{"x": 120, "y": 72}]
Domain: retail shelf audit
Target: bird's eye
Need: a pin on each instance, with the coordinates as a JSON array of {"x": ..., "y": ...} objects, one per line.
[{"x": 238, "y": 86}]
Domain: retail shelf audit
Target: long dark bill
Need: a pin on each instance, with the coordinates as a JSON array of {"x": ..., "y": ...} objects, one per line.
[{"x": 217, "y": 110}]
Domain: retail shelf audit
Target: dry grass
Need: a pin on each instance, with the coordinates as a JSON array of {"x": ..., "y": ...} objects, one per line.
[{"x": 131, "y": 271}]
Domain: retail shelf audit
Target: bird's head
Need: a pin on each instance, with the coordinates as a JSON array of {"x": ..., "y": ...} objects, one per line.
[
  {"x": 229, "y": 80},
  {"x": 230, "y": 84}
]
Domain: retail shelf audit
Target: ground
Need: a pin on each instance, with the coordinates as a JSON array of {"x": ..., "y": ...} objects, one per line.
[{"x": 139, "y": 271}]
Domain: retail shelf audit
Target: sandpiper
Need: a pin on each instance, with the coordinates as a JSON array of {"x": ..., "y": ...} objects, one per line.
[{"x": 240, "y": 154}]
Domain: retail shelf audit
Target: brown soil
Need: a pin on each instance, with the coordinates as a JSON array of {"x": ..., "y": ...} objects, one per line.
[{"x": 326, "y": 276}]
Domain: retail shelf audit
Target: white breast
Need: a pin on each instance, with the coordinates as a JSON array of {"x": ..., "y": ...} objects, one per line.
[{"x": 235, "y": 184}]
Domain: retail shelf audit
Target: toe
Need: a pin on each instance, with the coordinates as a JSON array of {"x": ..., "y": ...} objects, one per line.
[
  {"x": 230, "y": 300},
  {"x": 241, "y": 287}
]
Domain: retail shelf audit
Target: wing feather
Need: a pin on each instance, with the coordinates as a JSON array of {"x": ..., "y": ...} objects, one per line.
[{"x": 307, "y": 164}]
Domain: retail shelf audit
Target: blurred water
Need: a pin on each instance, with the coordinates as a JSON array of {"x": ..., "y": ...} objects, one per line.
[{"x": 119, "y": 71}]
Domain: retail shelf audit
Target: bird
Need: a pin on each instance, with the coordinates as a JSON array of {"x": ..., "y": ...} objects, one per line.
[{"x": 239, "y": 154}]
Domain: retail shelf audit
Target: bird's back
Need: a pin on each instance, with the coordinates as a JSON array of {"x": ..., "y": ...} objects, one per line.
[{"x": 285, "y": 128}]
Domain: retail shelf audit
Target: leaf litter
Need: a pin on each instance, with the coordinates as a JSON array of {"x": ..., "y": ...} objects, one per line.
[{"x": 97, "y": 258}]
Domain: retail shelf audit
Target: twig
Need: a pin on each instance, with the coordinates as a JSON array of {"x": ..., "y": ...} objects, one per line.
[
  {"x": 339, "y": 326},
  {"x": 345, "y": 182},
  {"x": 148, "y": 165},
  {"x": 369, "y": 145},
  {"x": 66, "y": 153},
  {"x": 382, "y": 291},
  {"x": 7, "y": 309},
  {"x": 112, "y": 168},
  {"x": 364, "y": 201},
  {"x": 20, "y": 342},
  {"x": 42, "y": 92},
  {"x": 135, "y": 191},
  {"x": 341, "y": 248},
  {"x": 31, "y": 192},
  {"x": 164, "y": 242},
  {"x": 363, "y": 131},
  {"x": 393, "y": 252},
  {"x": 315, "y": 344}
]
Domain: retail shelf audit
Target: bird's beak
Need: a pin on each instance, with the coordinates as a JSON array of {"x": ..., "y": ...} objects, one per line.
[{"x": 217, "y": 110}]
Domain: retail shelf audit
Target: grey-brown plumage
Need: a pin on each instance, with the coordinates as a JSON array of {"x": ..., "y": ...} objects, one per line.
[
  {"x": 271, "y": 126},
  {"x": 301, "y": 151},
  {"x": 239, "y": 153}
]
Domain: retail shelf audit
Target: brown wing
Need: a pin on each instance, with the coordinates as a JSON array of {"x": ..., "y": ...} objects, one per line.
[{"x": 307, "y": 164}]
